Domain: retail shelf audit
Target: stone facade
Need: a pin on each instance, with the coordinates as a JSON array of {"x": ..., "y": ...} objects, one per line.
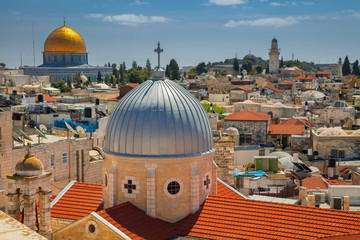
[
  {"x": 80, "y": 230},
  {"x": 57, "y": 223},
  {"x": 224, "y": 159},
  {"x": 251, "y": 132},
  {"x": 145, "y": 182}
]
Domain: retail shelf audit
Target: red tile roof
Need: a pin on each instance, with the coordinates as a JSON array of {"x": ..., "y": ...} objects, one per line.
[
  {"x": 274, "y": 89},
  {"x": 248, "y": 115},
  {"x": 289, "y": 126},
  {"x": 136, "y": 224},
  {"x": 337, "y": 182},
  {"x": 78, "y": 201},
  {"x": 324, "y": 72},
  {"x": 48, "y": 98},
  {"x": 227, "y": 191},
  {"x": 306, "y": 77},
  {"x": 314, "y": 182},
  {"x": 246, "y": 89},
  {"x": 114, "y": 98},
  {"x": 287, "y": 83},
  {"x": 134, "y": 85},
  {"x": 278, "y": 129},
  {"x": 226, "y": 218}
]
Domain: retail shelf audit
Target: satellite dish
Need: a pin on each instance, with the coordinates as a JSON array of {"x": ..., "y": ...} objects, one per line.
[
  {"x": 41, "y": 134},
  {"x": 27, "y": 137},
  {"x": 70, "y": 128},
  {"x": 16, "y": 138},
  {"x": 80, "y": 130},
  {"x": 43, "y": 128}
]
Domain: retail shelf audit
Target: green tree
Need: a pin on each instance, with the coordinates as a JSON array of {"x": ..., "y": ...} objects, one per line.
[
  {"x": 113, "y": 81},
  {"x": 236, "y": 65},
  {"x": 61, "y": 85},
  {"x": 223, "y": 73},
  {"x": 137, "y": 76},
  {"x": 346, "y": 67},
  {"x": 115, "y": 71},
  {"x": 215, "y": 108},
  {"x": 99, "y": 78},
  {"x": 174, "y": 70},
  {"x": 68, "y": 81},
  {"x": 167, "y": 72},
  {"x": 148, "y": 65},
  {"x": 122, "y": 73},
  {"x": 192, "y": 73},
  {"x": 134, "y": 65},
  {"x": 259, "y": 69},
  {"x": 247, "y": 65},
  {"x": 356, "y": 70},
  {"x": 108, "y": 64},
  {"x": 124, "y": 66},
  {"x": 281, "y": 62},
  {"x": 107, "y": 80},
  {"x": 2, "y": 65},
  {"x": 217, "y": 74},
  {"x": 77, "y": 82},
  {"x": 201, "y": 68}
]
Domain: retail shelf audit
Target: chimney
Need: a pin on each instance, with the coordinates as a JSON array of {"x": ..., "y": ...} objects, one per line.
[
  {"x": 295, "y": 158},
  {"x": 331, "y": 167},
  {"x": 302, "y": 193},
  {"x": 310, "y": 201},
  {"x": 346, "y": 203},
  {"x": 267, "y": 152}
]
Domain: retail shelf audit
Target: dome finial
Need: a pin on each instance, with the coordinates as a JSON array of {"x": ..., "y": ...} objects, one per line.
[
  {"x": 158, "y": 50},
  {"x": 64, "y": 21}
]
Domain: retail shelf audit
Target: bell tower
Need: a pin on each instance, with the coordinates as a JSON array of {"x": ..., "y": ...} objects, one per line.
[
  {"x": 274, "y": 57},
  {"x": 339, "y": 66}
]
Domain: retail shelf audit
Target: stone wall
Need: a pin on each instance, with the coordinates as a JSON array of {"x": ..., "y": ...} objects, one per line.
[
  {"x": 257, "y": 129},
  {"x": 224, "y": 159},
  {"x": 58, "y": 223}
]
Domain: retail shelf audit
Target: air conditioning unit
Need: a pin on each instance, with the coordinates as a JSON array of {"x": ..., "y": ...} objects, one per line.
[
  {"x": 336, "y": 203},
  {"x": 319, "y": 197}
]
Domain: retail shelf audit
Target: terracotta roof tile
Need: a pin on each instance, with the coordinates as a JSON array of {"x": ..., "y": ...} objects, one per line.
[
  {"x": 136, "y": 224},
  {"x": 306, "y": 77},
  {"x": 286, "y": 82},
  {"x": 324, "y": 72},
  {"x": 227, "y": 191},
  {"x": 278, "y": 129},
  {"x": 246, "y": 89},
  {"x": 337, "y": 182},
  {"x": 274, "y": 89},
  {"x": 297, "y": 70},
  {"x": 47, "y": 98},
  {"x": 134, "y": 85},
  {"x": 226, "y": 218},
  {"x": 314, "y": 182},
  {"x": 248, "y": 115},
  {"x": 78, "y": 201}
]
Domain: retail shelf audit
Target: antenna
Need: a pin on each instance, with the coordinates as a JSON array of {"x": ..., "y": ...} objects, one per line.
[
  {"x": 33, "y": 42},
  {"x": 292, "y": 58},
  {"x": 64, "y": 21},
  {"x": 20, "y": 59}
]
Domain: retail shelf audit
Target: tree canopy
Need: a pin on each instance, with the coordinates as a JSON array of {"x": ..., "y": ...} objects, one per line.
[
  {"x": 247, "y": 65},
  {"x": 236, "y": 67},
  {"x": 346, "y": 67},
  {"x": 356, "y": 70},
  {"x": 174, "y": 70},
  {"x": 201, "y": 68}
]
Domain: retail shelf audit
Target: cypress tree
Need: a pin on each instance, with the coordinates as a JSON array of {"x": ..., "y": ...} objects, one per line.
[
  {"x": 281, "y": 62},
  {"x": 99, "y": 77},
  {"x": 356, "y": 70},
  {"x": 236, "y": 65},
  {"x": 167, "y": 71},
  {"x": 346, "y": 67}
]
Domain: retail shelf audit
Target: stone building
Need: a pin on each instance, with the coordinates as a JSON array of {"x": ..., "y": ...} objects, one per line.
[
  {"x": 252, "y": 126},
  {"x": 224, "y": 159},
  {"x": 274, "y": 57}
]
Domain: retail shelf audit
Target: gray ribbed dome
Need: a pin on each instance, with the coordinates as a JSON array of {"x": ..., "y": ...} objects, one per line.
[{"x": 158, "y": 119}]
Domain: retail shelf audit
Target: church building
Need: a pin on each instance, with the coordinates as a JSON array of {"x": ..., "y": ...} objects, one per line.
[{"x": 65, "y": 56}]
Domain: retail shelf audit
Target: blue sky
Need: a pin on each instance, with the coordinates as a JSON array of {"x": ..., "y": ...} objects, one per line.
[{"x": 189, "y": 31}]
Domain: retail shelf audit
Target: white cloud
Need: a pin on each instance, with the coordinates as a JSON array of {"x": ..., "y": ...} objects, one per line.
[
  {"x": 129, "y": 19},
  {"x": 266, "y": 22},
  {"x": 227, "y": 2},
  {"x": 351, "y": 12},
  {"x": 263, "y": 0},
  {"x": 308, "y": 3},
  {"x": 277, "y": 4},
  {"x": 138, "y": 2},
  {"x": 95, "y": 15}
]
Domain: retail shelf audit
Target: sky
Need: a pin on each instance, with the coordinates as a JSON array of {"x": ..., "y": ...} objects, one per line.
[{"x": 190, "y": 31}]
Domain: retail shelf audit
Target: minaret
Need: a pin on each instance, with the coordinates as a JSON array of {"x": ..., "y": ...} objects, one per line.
[
  {"x": 340, "y": 68},
  {"x": 274, "y": 57}
]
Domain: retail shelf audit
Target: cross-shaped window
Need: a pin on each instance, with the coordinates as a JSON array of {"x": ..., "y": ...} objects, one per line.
[
  {"x": 129, "y": 186},
  {"x": 207, "y": 182}
]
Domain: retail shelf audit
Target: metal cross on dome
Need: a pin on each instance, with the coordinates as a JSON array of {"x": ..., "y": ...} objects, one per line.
[{"x": 158, "y": 50}]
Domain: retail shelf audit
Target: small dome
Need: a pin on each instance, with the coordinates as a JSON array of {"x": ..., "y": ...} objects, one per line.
[
  {"x": 312, "y": 94},
  {"x": 251, "y": 58},
  {"x": 64, "y": 40},
  {"x": 83, "y": 78},
  {"x": 336, "y": 131},
  {"x": 29, "y": 166},
  {"x": 158, "y": 118},
  {"x": 274, "y": 40},
  {"x": 231, "y": 131}
]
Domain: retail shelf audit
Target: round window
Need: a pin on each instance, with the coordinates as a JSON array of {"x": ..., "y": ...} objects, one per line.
[
  {"x": 91, "y": 228},
  {"x": 173, "y": 187}
]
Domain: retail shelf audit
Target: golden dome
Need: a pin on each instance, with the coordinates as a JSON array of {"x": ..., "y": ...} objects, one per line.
[{"x": 65, "y": 40}]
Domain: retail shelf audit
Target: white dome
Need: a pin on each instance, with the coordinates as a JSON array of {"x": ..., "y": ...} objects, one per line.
[
  {"x": 231, "y": 131},
  {"x": 336, "y": 131},
  {"x": 312, "y": 94},
  {"x": 158, "y": 119}
]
